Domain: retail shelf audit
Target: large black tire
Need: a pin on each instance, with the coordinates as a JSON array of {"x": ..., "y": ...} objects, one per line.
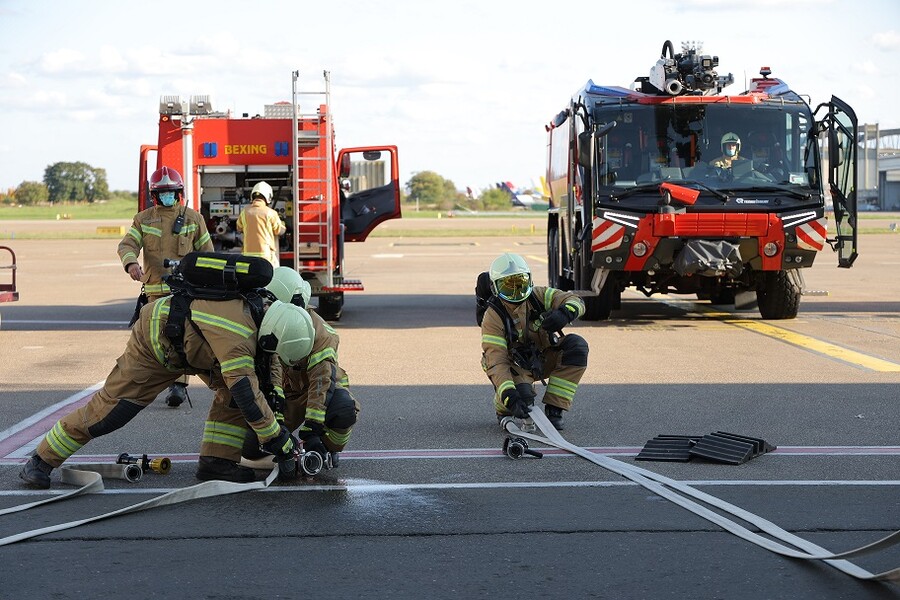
[
  {"x": 331, "y": 306},
  {"x": 553, "y": 260},
  {"x": 777, "y": 296},
  {"x": 598, "y": 308}
]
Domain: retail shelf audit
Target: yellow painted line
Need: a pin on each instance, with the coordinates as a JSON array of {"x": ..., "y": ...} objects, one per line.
[
  {"x": 540, "y": 259},
  {"x": 843, "y": 354},
  {"x": 795, "y": 339}
]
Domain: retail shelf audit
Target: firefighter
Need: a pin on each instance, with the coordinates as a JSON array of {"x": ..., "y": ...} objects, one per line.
[
  {"x": 521, "y": 343},
  {"x": 731, "y": 150},
  {"x": 317, "y": 398},
  {"x": 168, "y": 229},
  {"x": 222, "y": 345},
  {"x": 261, "y": 225}
]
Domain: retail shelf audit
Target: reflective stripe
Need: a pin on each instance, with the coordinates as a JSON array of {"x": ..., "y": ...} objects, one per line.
[
  {"x": 339, "y": 439},
  {"x": 318, "y": 357},
  {"x": 561, "y": 387},
  {"x": 216, "y": 321},
  {"x": 219, "y": 264},
  {"x": 225, "y": 434},
  {"x": 60, "y": 441},
  {"x": 156, "y": 288},
  {"x": 315, "y": 414},
  {"x": 345, "y": 382},
  {"x": 498, "y": 397},
  {"x": 269, "y": 431},
  {"x": 189, "y": 229},
  {"x": 136, "y": 235},
  {"x": 204, "y": 239},
  {"x": 548, "y": 298},
  {"x": 160, "y": 310},
  {"x": 148, "y": 230},
  {"x": 578, "y": 307},
  {"x": 241, "y": 362},
  {"x": 129, "y": 257},
  {"x": 494, "y": 340},
  {"x": 329, "y": 328}
]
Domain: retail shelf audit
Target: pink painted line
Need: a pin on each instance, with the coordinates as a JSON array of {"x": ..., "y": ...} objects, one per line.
[{"x": 25, "y": 435}]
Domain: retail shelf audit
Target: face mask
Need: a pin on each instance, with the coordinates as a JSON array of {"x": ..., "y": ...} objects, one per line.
[
  {"x": 730, "y": 149},
  {"x": 167, "y": 198}
]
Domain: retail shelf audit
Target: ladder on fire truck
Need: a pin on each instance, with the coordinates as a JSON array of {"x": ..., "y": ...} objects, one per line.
[{"x": 314, "y": 220}]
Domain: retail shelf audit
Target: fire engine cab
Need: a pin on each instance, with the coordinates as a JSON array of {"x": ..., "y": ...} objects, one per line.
[{"x": 325, "y": 199}]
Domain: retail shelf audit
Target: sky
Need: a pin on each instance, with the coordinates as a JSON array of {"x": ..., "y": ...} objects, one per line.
[{"x": 463, "y": 88}]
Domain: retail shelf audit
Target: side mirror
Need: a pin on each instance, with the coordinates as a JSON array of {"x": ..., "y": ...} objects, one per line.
[
  {"x": 835, "y": 155},
  {"x": 345, "y": 166}
]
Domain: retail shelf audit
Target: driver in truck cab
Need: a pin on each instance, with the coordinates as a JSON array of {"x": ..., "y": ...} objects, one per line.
[{"x": 731, "y": 150}]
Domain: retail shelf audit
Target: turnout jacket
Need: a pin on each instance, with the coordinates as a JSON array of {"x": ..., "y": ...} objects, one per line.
[
  {"x": 496, "y": 359},
  {"x": 261, "y": 227},
  {"x": 311, "y": 380},
  {"x": 151, "y": 230},
  {"x": 220, "y": 342}
]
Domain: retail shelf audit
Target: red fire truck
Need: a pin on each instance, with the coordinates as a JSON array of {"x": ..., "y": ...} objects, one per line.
[
  {"x": 8, "y": 291},
  {"x": 671, "y": 186},
  {"x": 325, "y": 199}
]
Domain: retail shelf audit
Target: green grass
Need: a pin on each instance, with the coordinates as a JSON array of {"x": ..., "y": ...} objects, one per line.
[{"x": 118, "y": 208}]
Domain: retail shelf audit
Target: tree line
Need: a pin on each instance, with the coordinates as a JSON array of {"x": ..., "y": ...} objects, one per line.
[
  {"x": 429, "y": 190},
  {"x": 63, "y": 182},
  {"x": 80, "y": 182}
]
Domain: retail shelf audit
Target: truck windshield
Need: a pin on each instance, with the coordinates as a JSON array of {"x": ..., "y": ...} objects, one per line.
[{"x": 753, "y": 153}]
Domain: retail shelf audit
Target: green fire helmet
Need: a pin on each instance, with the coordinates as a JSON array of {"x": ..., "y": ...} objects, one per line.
[
  {"x": 288, "y": 331},
  {"x": 288, "y": 286},
  {"x": 511, "y": 277},
  {"x": 262, "y": 189}
]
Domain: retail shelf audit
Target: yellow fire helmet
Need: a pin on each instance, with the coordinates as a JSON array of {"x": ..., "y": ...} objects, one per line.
[
  {"x": 288, "y": 286},
  {"x": 288, "y": 331},
  {"x": 511, "y": 277}
]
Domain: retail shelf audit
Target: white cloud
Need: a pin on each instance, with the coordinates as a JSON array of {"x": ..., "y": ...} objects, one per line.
[
  {"x": 886, "y": 40},
  {"x": 60, "y": 61}
]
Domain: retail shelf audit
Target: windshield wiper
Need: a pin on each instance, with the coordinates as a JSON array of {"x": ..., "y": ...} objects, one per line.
[
  {"x": 773, "y": 188},
  {"x": 646, "y": 187}
]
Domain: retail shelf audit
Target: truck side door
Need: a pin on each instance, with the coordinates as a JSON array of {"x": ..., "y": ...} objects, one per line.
[
  {"x": 843, "y": 153},
  {"x": 369, "y": 189}
]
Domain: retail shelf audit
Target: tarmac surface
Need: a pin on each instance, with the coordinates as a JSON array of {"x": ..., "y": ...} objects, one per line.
[{"x": 424, "y": 503}]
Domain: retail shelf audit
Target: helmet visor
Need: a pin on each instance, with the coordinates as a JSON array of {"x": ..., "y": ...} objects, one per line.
[{"x": 514, "y": 288}]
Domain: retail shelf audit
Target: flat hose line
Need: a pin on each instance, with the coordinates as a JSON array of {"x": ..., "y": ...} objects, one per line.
[
  {"x": 91, "y": 482},
  {"x": 659, "y": 484}
]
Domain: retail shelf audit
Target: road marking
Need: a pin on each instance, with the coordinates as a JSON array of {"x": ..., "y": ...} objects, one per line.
[
  {"x": 367, "y": 486},
  {"x": 851, "y": 357}
]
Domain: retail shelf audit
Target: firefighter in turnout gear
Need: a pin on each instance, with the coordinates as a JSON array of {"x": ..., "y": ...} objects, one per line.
[
  {"x": 731, "y": 150},
  {"x": 224, "y": 346},
  {"x": 521, "y": 342},
  {"x": 261, "y": 225},
  {"x": 317, "y": 399},
  {"x": 166, "y": 230}
]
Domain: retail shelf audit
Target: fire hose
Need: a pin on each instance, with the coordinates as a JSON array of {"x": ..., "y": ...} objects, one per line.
[
  {"x": 664, "y": 486},
  {"x": 91, "y": 482}
]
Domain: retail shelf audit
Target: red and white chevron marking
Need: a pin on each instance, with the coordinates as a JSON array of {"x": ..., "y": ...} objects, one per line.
[
  {"x": 606, "y": 235},
  {"x": 811, "y": 235}
]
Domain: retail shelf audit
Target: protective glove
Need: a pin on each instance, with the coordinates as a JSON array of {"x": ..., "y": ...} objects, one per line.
[
  {"x": 276, "y": 402},
  {"x": 283, "y": 446},
  {"x": 515, "y": 403},
  {"x": 555, "y": 320},
  {"x": 311, "y": 433}
]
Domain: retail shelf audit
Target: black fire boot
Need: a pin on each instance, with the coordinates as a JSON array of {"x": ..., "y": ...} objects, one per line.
[
  {"x": 219, "y": 469},
  {"x": 177, "y": 395},
  {"x": 36, "y": 473},
  {"x": 554, "y": 415}
]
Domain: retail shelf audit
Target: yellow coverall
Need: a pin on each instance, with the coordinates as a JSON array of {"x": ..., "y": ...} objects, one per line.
[
  {"x": 563, "y": 365},
  {"x": 316, "y": 390},
  {"x": 261, "y": 227},
  {"x": 220, "y": 344}
]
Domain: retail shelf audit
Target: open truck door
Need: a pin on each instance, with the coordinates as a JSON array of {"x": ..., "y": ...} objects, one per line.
[
  {"x": 369, "y": 189},
  {"x": 843, "y": 156}
]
